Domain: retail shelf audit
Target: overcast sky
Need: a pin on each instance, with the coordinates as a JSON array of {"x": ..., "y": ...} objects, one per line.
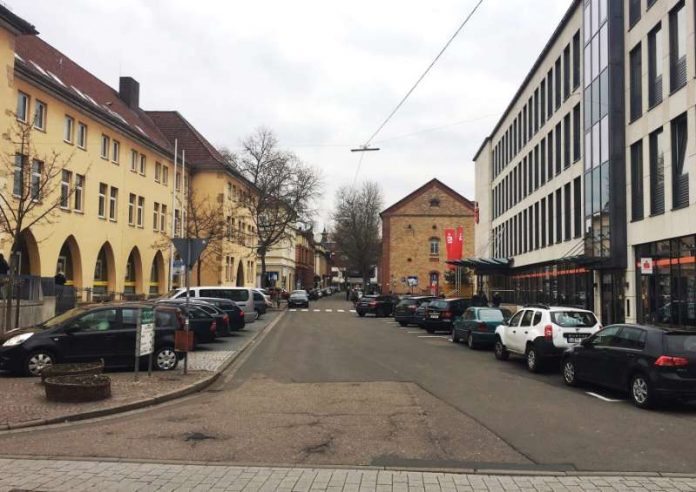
[{"x": 322, "y": 74}]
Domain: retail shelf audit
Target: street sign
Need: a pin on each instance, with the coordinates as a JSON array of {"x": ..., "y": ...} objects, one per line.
[
  {"x": 646, "y": 266},
  {"x": 189, "y": 249},
  {"x": 147, "y": 332},
  {"x": 412, "y": 280}
]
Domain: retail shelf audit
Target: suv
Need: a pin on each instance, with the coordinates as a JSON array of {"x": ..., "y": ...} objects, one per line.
[
  {"x": 440, "y": 313},
  {"x": 540, "y": 333},
  {"x": 406, "y": 311},
  {"x": 377, "y": 305}
]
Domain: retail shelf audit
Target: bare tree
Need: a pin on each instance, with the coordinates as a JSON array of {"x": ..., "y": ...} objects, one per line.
[
  {"x": 31, "y": 196},
  {"x": 356, "y": 228},
  {"x": 284, "y": 193}
]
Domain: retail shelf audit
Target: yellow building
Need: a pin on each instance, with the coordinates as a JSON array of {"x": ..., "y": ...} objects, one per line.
[
  {"x": 413, "y": 241},
  {"x": 111, "y": 232}
]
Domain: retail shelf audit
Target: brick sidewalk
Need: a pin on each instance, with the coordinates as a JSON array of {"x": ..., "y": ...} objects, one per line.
[{"x": 58, "y": 475}]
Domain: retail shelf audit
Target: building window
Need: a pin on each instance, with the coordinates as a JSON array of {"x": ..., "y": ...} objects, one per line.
[
  {"x": 140, "y": 211},
  {"x": 576, "y": 60},
  {"x": 165, "y": 175},
  {"x": 79, "y": 191},
  {"x": 633, "y": 12},
  {"x": 82, "y": 135},
  {"x": 434, "y": 246},
  {"x": 36, "y": 184},
  {"x": 657, "y": 173},
  {"x": 559, "y": 216},
  {"x": 178, "y": 181},
  {"x": 158, "y": 172},
  {"x": 559, "y": 156},
  {"x": 552, "y": 218},
  {"x": 163, "y": 218},
  {"x": 115, "y": 151},
  {"x": 18, "y": 185},
  {"x": 143, "y": 164},
  {"x": 549, "y": 99},
  {"x": 22, "y": 107},
  {"x": 566, "y": 141},
  {"x": 577, "y": 133},
  {"x": 677, "y": 46},
  {"x": 655, "y": 66},
  {"x": 680, "y": 178},
  {"x": 155, "y": 216},
  {"x": 566, "y": 72},
  {"x": 577, "y": 207},
  {"x": 134, "y": 161},
  {"x": 101, "y": 209},
  {"x": 542, "y": 102},
  {"x": 567, "y": 210},
  {"x": 434, "y": 202},
  {"x": 113, "y": 202},
  {"x": 66, "y": 177},
  {"x": 636, "y": 78},
  {"x": 68, "y": 130},
  {"x": 105, "y": 147},
  {"x": 557, "y": 88},
  {"x": 177, "y": 223},
  {"x": 40, "y": 115},
  {"x": 637, "y": 180},
  {"x": 131, "y": 209}
]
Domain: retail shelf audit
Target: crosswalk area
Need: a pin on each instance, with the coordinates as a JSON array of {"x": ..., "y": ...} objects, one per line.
[{"x": 321, "y": 310}]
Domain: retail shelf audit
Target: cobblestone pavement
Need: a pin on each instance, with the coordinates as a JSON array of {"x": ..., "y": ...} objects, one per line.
[
  {"x": 208, "y": 361},
  {"x": 57, "y": 475}
]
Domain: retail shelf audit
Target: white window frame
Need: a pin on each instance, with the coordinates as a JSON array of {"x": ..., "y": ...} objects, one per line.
[
  {"x": 134, "y": 160},
  {"x": 102, "y": 205},
  {"x": 69, "y": 129},
  {"x": 79, "y": 190},
  {"x": 155, "y": 216},
  {"x": 158, "y": 171},
  {"x": 81, "y": 135},
  {"x": 434, "y": 251},
  {"x": 163, "y": 218},
  {"x": 131, "y": 209},
  {"x": 18, "y": 183},
  {"x": 65, "y": 189},
  {"x": 21, "y": 96},
  {"x": 177, "y": 181},
  {"x": 165, "y": 175},
  {"x": 143, "y": 164},
  {"x": 113, "y": 204},
  {"x": 105, "y": 147},
  {"x": 40, "y": 112},
  {"x": 36, "y": 171},
  {"x": 115, "y": 151},
  {"x": 140, "y": 211}
]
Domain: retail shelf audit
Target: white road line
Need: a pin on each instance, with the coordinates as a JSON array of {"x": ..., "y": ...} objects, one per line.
[
  {"x": 413, "y": 332},
  {"x": 293, "y": 310},
  {"x": 317, "y": 310},
  {"x": 603, "y": 398},
  {"x": 352, "y": 310},
  {"x": 433, "y": 336},
  {"x": 341, "y": 310},
  {"x": 329, "y": 310},
  {"x": 305, "y": 310}
]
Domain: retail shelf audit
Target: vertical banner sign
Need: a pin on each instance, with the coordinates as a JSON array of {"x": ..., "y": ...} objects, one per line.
[
  {"x": 147, "y": 332},
  {"x": 450, "y": 241},
  {"x": 459, "y": 243}
]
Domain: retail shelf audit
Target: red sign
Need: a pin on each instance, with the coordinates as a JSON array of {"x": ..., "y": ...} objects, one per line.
[
  {"x": 450, "y": 240},
  {"x": 459, "y": 243}
]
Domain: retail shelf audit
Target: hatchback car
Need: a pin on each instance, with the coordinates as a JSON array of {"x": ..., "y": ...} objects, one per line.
[
  {"x": 440, "y": 313},
  {"x": 202, "y": 323},
  {"x": 650, "y": 363},
  {"x": 298, "y": 298},
  {"x": 236, "y": 316},
  {"x": 406, "y": 311},
  {"x": 476, "y": 327},
  {"x": 86, "y": 334}
]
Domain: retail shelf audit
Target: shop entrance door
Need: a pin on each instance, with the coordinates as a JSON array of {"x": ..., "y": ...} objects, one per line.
[{"x": 613, "y": 298}]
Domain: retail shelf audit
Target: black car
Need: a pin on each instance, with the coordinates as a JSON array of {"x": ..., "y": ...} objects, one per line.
[
  {"x": 650, "y": 363},
  {"x": 440, "y": 313},
  {"x": 420, "y": 313},
  {"x": 376, "y": 304},
  {"x": 406, "y": 311},
  {"x": 236, "y": 320},
  {"x": 86, "y": 334},
  {"x": 201, "y": 322}
]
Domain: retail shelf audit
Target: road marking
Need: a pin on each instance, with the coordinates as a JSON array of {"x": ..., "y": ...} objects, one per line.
[
  {"x": 317, "y": 310},
  {"x": 413, "y": 332},
  {"x": 603, "y": 398},
  {"x": 305, "y": 310},
  {"x": 341, "y": 310},
  {"x": 293, "y": 310},
  {"x": 329, "y": 310},
  {"x": 352, "y": 310},
  {"x": 434, "y": 336}
]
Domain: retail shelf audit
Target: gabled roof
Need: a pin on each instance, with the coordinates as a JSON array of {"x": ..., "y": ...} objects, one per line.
[
  {"x": 14, "y": 23},
  {"x": 432, "y": 183},
  {"x": 43, "y": 64},
  {"x": 200, "y": 153}
]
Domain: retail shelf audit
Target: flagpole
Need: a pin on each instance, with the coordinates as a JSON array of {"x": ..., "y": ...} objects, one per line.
[
  {"x": 171, "y": 245},
  {"x": 184, "y": 215}
]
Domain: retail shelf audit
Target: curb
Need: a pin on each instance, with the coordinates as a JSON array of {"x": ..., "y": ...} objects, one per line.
[{"x": 146, "y": 402}]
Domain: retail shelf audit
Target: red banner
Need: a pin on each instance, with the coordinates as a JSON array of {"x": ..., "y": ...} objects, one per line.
[
  {"x": 459, "y": 243},
  {"x": 450, "y": 244}
]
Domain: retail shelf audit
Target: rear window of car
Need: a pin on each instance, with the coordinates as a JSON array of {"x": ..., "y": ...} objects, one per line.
[
  {"x": 491, "y": 315},
  {"x": 408, "y": 302},
  {"x": 238, "y": 295},
  {"x": 438, "y": 304},
  {"x": 680, "y": 343},
  {"x": 573, "y": 319}
]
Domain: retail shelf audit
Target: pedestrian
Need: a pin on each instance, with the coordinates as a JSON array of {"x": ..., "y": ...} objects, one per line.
[
  {"x": 59, "y": 279},
  {"x": 497, "y": 299},
  {"x": 347, "y": 294},
  {"x": 4, "y": 267}
]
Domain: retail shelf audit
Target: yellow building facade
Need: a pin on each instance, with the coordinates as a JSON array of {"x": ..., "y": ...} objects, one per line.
[{"x": 116, "y": 186}]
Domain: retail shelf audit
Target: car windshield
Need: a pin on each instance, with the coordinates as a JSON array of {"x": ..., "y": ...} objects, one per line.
[
  {"x": 438, "y": 304},
  {"x": 573, "y": 319},
  {"x": 681, "y": 343},
  {"x": 299, "y": 293},
  {"x": 408, "y": 302},
  {"x": 491, "y": 315}
]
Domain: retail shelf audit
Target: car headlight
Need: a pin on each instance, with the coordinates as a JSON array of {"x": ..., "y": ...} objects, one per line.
[{"x": 17, "y": 340}]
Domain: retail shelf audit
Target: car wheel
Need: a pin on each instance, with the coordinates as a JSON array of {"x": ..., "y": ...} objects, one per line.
[
  {"x": 430, "y": 330},
  {"x": 362, "y": 315},
  {"x": 470, "y": 342},
  {"x": 403, "y": 323},
  {"x": 166, "y": 359},
  {"x": 500, "y": 351},
  {"x": 533, "y": 359},
  {"x": 569, "y": 375},
  {"x": 37, "y": 362},
  {"x": 455, "y": 338},
  {"x": 641, "y": 392}
]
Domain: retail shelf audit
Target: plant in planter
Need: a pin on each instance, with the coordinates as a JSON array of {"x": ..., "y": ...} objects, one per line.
[
  {"x": 78, "y": 387},
  {"x": 96, "y": 367}
]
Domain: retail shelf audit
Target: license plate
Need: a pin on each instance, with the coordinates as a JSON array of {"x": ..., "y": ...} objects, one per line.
[
  {"x": 574, "y": 340},
  {"x": 434, "y": 315}
]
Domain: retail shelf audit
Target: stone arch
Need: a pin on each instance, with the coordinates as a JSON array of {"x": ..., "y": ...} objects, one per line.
[
  {"x": 133, "y": 276},
  {"x": 240, "y": 274},
  {"x": 28, "y": 258},
  {"x": 157, "y": 284},
  {"x": 70, "y": 262},
  {"x": 104, "y": 272}
]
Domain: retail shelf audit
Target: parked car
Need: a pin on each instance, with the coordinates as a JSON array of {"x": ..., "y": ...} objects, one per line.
[
  {"x": 261, "y": 303},
  {"x": 298, "y": 298},
  {"x": 542, "y": 333},
  {"x": 243, "y": 296},
  {"x": 202, "y": 322},
  {"x": 421, "y": 311},
  {"x": 405, "y": 312},
  {"x": 379, "y": 305},
  {"x": 89, "y": 333},
  {"x": 652, "y": 364},
  {"x": 476, "y": 327},
  {"x": 236, "y": 320},
  {"x": 228, "y": 316},
  {"x": 313, "y": 295},
  {"x": 440, "y": 313}
]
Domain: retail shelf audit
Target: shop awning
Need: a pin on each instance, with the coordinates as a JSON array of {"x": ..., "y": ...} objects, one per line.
[{"x": 483, "y": 265}]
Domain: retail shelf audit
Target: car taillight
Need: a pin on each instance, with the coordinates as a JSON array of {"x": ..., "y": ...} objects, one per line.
[
  {"x": 226, "y": 318},
  {"x": 412, "y": 308},
  {"x": 482, "y": 326},
  {"x": 372, "y": 303},
  {"x": 548, "y": 332},
  {"x": 213, "y": 327},
  {"x": 447, "y": 314},
  {"x": 669, "y": 361},
  {"x": 241, "y": 313}
]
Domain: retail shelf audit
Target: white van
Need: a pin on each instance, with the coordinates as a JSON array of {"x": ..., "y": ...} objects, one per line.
[{"x": 241, "y": 295}]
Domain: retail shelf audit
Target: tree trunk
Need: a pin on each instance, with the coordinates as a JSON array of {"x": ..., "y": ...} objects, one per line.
[
  {"x": 199, "y": 264},
  {"x": 9, "y": 289},
  {"x": 264, "y": 278}
]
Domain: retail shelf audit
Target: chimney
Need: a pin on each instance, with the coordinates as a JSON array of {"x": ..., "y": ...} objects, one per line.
[{"x": 129, "y": 91}]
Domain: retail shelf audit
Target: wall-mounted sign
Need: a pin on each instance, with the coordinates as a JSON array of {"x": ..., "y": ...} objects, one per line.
[{"x": 646, "y": 266}]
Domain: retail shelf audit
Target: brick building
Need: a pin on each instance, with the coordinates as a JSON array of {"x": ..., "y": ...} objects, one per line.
[{"x": 413, "y": 241}]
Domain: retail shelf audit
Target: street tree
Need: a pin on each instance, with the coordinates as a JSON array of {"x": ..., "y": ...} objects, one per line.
[
  {"x": 356, "y": 226},
  {"x": 31, "y": 196},
  {"x": 283, "y": 194}
]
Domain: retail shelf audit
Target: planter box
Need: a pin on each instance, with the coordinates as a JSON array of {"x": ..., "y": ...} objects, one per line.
[
  {"x": 72, "y": 369},
  {"x": 78, "y": 388}
]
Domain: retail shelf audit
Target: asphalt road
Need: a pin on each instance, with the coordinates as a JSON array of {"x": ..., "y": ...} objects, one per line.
[{"x": 331, "y": 388}]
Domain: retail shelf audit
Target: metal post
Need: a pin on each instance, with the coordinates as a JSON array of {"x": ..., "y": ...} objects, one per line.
[
  {"x": 188, "y": 301},
  {"x": 138, "y": 335},
  {"x": 171, "y": 246}
]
